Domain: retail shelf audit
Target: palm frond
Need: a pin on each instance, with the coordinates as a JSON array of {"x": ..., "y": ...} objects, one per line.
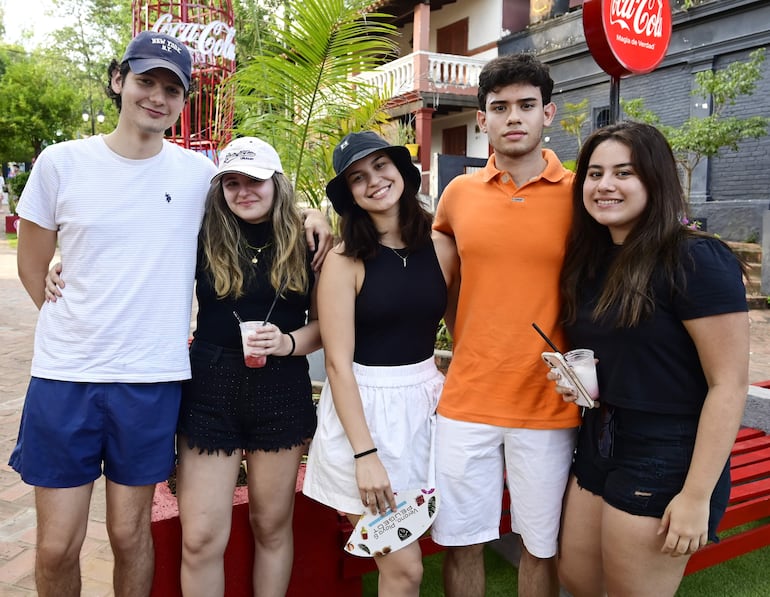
[{"x": 297, "y": 93}]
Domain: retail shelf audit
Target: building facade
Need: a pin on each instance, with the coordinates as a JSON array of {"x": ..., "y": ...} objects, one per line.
[
  {"x": 731, "y": 192},
  {"x": 445, "y": 44}
]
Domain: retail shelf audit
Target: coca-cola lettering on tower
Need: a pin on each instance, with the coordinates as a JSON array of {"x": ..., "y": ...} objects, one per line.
[
  {"x": 627, "y": 37},
  {"x": 206, "y": 41}
]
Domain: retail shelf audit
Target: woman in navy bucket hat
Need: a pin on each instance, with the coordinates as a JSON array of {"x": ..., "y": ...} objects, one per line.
[
  {"x": 356, "y": 146},
  {"x": 381, "y": 294}
]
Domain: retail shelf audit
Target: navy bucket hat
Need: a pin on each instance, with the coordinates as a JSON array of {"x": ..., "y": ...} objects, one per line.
[{"x": 356, "y": 146}]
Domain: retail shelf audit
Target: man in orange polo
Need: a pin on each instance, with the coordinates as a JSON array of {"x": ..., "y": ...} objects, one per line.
[{"x": 498, "y": 412}]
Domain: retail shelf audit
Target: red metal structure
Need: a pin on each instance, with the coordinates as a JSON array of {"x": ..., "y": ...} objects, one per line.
[{"x": 207, "y": 29}]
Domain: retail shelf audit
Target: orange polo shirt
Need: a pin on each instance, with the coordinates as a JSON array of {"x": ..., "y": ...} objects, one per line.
[{"x": 511, "y": 241}]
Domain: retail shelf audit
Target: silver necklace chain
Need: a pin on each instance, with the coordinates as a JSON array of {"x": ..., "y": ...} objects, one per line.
[{"x": 403, "y": 258}]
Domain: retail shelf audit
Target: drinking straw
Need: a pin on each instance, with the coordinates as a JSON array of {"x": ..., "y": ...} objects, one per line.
[
  {"x": 546, "y": 338},
  {"x": 269, "y": 311},
  {"x": 275, "y": 300}
]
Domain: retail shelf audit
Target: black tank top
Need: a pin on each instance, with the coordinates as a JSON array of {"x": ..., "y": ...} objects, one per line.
[{"x": 399, "y": 308}]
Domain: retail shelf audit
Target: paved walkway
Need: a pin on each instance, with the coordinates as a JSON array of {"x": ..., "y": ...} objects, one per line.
[{"x": 17, "y": 515}]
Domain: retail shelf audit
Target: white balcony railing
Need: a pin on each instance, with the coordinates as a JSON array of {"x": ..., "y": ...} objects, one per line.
[
  {"x": 444, "y": 71},
  {"x": 456, "y": 71}
]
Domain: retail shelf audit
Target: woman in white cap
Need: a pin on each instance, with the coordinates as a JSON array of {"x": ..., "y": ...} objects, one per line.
[
  {"x": 382, "y": 293},
  {"x": 252, "y": 260}
]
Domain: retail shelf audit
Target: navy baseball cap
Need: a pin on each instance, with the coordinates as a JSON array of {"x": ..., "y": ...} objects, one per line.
[
  {"x": 356, "y": 146},
  {"x": 150, "y": 50}
]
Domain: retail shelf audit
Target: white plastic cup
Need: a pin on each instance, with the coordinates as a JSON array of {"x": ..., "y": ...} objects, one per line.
[
  {"x": 252, "y": 360},
  {"x": 582, "y": 362}
]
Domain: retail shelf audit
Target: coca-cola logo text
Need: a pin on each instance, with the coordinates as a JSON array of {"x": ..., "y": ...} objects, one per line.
[
  {"x": 206, "y": 41},
  {"x": 645, "y": 16},
  {"x": 627, "y": 36}
]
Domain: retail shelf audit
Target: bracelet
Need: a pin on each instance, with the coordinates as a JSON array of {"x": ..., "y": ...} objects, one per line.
[
  {"x": 364, "y": 453},
  {"x": 293, "y": 344}
]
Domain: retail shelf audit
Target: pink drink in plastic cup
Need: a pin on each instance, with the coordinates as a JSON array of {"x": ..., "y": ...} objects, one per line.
[{"x": 251, "y": 360}]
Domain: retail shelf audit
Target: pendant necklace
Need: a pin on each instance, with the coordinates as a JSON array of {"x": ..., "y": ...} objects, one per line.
[
  {"x": 399, "y": 255},
  {"x": 255, "y": 257}
]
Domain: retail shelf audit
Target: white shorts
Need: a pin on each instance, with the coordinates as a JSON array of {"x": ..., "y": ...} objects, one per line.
[
  {"x": 470, "y": 459},
  {"x": 399, "y": 406}
]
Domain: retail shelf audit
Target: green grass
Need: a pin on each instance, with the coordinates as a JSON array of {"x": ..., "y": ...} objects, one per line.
[
  {"x": 745, "y": 576},
  {"x": 12, "y": 239},
  {"x": 501, "y": 576}
]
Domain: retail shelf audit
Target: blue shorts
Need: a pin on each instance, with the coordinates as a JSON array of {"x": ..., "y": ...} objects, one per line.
[
  {"x": 637, "y": 461},
  {"x": 68, "y": 429}
]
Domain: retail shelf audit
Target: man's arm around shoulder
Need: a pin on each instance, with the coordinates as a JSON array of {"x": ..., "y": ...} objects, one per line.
[{"x": 34, "y": 254}]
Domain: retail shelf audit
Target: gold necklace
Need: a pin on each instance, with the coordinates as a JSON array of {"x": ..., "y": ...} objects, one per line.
[
  {"x": 399, "y": 255},
  {"x": 255, "y": 257}
]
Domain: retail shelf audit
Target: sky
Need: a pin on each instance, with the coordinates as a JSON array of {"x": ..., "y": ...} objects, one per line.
[{"x": 30, "y": 15}]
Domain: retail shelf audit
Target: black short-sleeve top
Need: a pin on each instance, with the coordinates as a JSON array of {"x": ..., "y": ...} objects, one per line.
[{"x": 654, "y": 367}]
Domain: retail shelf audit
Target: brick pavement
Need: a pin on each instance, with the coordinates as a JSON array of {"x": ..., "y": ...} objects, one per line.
[{"x": 17, "y": 516}]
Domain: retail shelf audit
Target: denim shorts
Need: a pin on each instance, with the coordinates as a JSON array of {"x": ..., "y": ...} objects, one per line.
[
  {"x": 70, "y": 430},
  {"x": 638, "y": 461}
]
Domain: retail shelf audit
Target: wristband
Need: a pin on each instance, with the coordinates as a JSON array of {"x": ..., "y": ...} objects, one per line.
[
  {"x": 364, "y": 453},
  {"x": 293, "y": 344}
]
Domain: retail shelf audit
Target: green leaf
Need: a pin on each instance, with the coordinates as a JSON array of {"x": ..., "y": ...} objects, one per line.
[{"x": 297, "y": 92}]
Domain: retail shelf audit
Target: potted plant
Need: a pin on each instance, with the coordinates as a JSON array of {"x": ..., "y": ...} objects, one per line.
[
  {"x": 403, "y": 134},
  {"x": 443, "y": 347},
  {"x": 15, "y": 187}
]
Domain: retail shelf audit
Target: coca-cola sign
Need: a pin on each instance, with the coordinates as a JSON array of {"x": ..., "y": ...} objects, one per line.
[
  {"x": 206, "y": 41},
  {"x": 627, "y": 37}
]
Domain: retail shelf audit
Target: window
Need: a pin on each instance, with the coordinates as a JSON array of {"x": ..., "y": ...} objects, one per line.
[{"x": 601, "y": 117}]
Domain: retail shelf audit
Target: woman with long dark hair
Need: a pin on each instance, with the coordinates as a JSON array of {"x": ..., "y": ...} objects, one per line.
[
  {"x": 664, "y": 309},
  {"x": 381, "y": 295}
]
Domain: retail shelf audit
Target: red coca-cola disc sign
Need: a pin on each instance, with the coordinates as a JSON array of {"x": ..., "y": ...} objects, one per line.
[{"x": 627, "y": 37}]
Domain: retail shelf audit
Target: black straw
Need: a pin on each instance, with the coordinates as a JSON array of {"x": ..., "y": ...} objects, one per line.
[
  {"x": 275, "y": 300},
  {"x": 546, "y": 338}
]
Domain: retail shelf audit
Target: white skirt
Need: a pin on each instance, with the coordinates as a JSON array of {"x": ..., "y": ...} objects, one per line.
[{"x": 399, "y": 405}]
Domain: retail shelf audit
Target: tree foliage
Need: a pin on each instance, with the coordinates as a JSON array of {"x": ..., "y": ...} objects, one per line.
[
  {"x": 43, "y": 93},
  {"x": 705, "y": 137},
  {"x": 575, "y": 118},
  {"x": 38, "y": 106},
  {"x": 296, "y": 91},
  {"x": 254, "y": 22},
  {"x": 98, "y": 31}
]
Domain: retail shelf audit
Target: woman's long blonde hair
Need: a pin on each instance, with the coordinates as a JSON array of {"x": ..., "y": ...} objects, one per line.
[{"x": 224, "y": 246}]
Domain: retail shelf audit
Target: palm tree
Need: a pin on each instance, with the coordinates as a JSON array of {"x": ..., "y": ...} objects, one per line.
[{"x": 297, "y": 92}]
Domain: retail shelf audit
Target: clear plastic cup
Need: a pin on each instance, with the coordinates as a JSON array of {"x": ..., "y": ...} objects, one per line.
[
  {"x": 582, "y": 362},
  {"x": 251, "y": 360}
]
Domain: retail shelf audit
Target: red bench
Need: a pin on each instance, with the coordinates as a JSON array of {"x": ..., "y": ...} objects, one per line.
[
  {"x": 749, "y": 502},
  {"x": 321, "y": 566}
]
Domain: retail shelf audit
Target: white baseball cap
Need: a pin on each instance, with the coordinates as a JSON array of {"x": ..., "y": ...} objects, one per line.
[{"x": 250, "y": 156}]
